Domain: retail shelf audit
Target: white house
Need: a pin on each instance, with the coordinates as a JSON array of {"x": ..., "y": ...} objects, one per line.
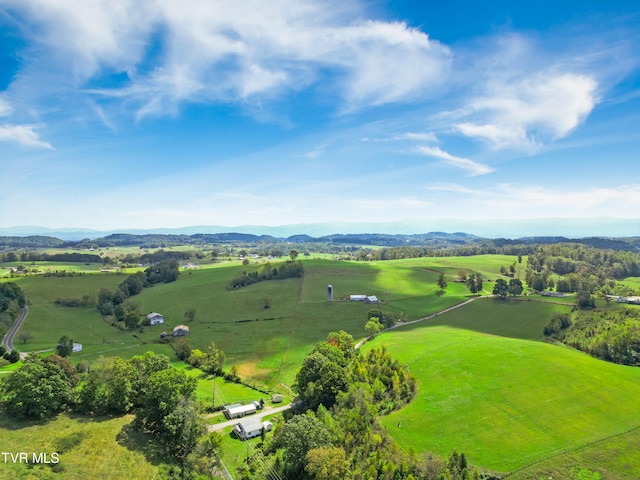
[
  {"x": 251, "y": 427},
  {"x": 155, "y": 318},
  {"x": 77, "y": 347}
]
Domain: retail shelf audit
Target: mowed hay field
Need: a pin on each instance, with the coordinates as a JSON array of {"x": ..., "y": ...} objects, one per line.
[
  {"x": 100, "y": 448},
  {"x": 488, "y": 389}
]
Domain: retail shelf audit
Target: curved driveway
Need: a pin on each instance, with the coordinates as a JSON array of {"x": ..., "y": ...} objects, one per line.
[
  {"x": 7, "y": 341},
  {"x": 428, "y": 317}
]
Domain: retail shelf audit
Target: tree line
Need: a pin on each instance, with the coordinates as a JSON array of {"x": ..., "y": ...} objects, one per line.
[
  {"x": 12, "y": 300},
  {"x": 289, "y": 269},
  {"x": 608, "y": 334},
  {"x": 117, "y": 302}
]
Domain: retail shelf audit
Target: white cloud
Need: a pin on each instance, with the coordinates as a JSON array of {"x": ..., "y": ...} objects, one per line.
[
  {"x": 474, "y": 168},
  {"x": 411, "y": 136},
  {"x": 5, "y": 108},
  {"x": 205, "y": 51},
  {"x": 22, "y": 134},
  {"x": 524, "y": 114}
]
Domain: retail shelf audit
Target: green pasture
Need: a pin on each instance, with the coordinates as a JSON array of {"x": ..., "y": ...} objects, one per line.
[
  {"x": 633, "y": 282},
  {"x": 488, "y": 265},
  {"x": 614, "y": 458},
  {"x": 48, "y": 322},
  {"x": 51, "y": 267},
  {"x": 488, "y": 390},
  {"x": 104, "y": 447},
  {"x": 266, "y": 344}
]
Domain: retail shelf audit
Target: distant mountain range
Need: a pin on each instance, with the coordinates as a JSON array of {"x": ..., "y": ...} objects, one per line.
[
  {"x": 486, "y": 228},
  {"x": 431, "y": 240}
]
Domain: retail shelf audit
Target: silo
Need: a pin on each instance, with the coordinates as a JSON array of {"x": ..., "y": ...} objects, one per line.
[{"x": 329, "y": 293}]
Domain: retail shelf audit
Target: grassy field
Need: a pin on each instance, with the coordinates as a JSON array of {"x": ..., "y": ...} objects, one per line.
[
  {"x": 487, "y": 389},
  {"x": 48, "y": 322},
  {"x": 104, "y": 447},
  {"x": 270, "y": 349},
  {"x": 614, "y": 458},
  {"x": 267, "y": 345}
]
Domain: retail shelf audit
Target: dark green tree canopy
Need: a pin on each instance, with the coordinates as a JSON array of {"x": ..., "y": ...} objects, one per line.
[{"x": 36, "y": 390}]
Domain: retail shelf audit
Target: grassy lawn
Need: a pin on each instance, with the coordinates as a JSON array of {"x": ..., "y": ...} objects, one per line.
[
  {"x": 488, "y": 390},
  {"x": 103, "y": 447}
]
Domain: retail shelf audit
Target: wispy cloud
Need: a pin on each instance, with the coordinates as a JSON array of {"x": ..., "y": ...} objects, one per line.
[
  {"x": 474, "y": 168},
  {"x": 22, "y": 134},
  {"x": 232, "y": 51},
  {"x": 526, "y": 113},
  {"x": 407, "y": 136}
]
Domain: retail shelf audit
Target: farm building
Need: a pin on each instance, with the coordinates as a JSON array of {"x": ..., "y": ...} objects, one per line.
[
  {"x": 155, "y": 318},
  {"x": 357, "y": 298},
  {"x": 251, "y": 427},
  {"x": 371, "y": 299},
  {"x": 77, "y": 347},
  {"x": 237, "y": 411},
  {"x": 181, "y": 331}
]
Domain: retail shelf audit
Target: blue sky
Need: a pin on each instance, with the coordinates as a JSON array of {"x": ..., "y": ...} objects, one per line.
[{"x": 169, "y": 113}]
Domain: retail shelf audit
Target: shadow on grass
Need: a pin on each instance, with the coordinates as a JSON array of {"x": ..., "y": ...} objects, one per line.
[
  {"x": 136, "y": 441},
  {"x": 521, "y": 318},
  {"x": 18, "y": 423}
]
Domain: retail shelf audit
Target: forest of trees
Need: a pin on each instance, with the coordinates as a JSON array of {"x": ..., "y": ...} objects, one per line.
[{"x": 610, "y": 334}]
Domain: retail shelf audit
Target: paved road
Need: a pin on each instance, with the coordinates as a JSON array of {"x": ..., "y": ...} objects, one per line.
[
  {"x": 7, "y": 342},
  {"x": 260, "y": 415}
]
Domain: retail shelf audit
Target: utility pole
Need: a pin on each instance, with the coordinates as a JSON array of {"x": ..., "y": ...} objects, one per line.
[{"x": 214, "y": 391}]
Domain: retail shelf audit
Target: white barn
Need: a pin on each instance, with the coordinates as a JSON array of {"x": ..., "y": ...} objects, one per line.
[
  {"x": 155, "y": 318},
  {"x": 238, "y": 411}
]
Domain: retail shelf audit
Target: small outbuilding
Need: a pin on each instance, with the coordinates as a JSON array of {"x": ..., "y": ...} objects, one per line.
[
  {"x": 77, "y": 347},
  {"x": 371, "y": 299},
  {"x": 181, "y": 331},
  {"x": 155, "y": 318}
]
